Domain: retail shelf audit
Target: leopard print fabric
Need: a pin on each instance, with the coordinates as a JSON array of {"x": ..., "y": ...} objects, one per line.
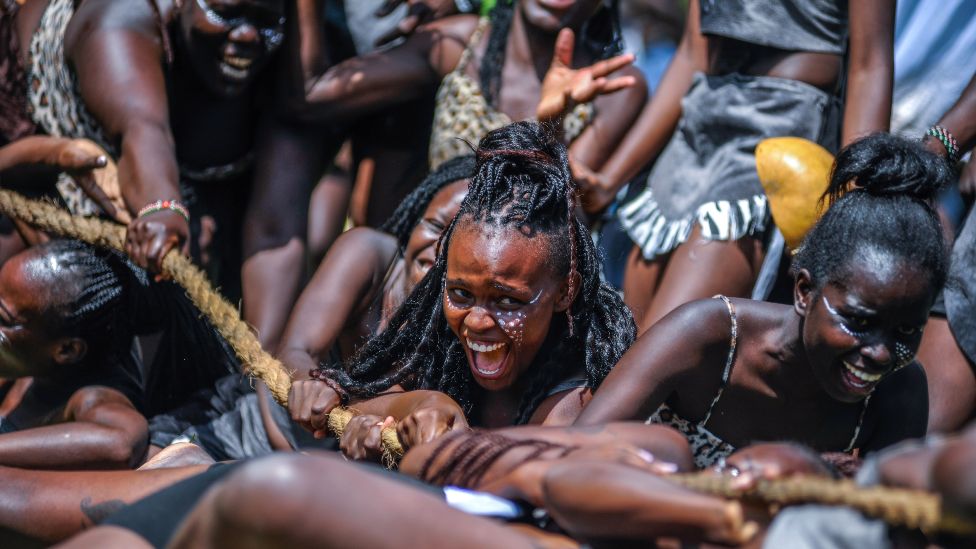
[
  {"x": 55, "y": 101},
  {"x": 707, "y": 448},
  {"x": 463, "y": 116}
]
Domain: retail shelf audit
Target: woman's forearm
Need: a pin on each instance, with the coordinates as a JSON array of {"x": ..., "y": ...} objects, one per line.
[
  {"x": 653, "y": 129},
  {"x": 147, "y": 166},
  {"x": 868, "y": 103},
  {"x": 960, "y": 120},
  {"x": 74, "y": 445},
  {"x": 870, "y": 72},
  {"x": 594, "y": 500}
]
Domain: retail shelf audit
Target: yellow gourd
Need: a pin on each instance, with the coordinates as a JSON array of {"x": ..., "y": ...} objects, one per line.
[{"x": 794, "y": 172}]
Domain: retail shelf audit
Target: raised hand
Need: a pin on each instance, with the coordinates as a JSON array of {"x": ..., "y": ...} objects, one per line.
[{"x": 564, "y": 87}]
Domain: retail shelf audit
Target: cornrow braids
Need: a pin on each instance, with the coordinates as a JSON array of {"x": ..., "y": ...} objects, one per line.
[
  {"x": 880, "y": 196},
  {"x": 469, "y": 461},
  {"x": 522, "y": 181},
  {"x": 600, "y": 38},
  {"x": 98, "y": 295},
  {"x": 408, "y": 214},
  {"x": 86, "y": 303}
]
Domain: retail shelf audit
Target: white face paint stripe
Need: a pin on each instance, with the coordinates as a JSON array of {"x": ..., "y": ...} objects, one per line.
[{"x": 843, "y": 326}]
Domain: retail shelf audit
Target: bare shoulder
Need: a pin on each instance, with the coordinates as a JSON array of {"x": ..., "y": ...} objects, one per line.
[
  {"x": 704, "y": 321},
  {"x": 364, "y": 245},
  {"x": 97, "y": 16}
]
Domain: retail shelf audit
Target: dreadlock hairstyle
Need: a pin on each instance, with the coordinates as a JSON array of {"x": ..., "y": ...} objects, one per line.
[
  {"x": 98, "y": 295},
  {"x": 600, "y": 38},
  {"x": 522, "y": 181},
  {"x": 409, "y": 213},
  {"x": 880, "y": 195}
]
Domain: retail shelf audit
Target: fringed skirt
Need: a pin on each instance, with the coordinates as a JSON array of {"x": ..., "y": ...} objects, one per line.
[{"x": 707, "y": 173}]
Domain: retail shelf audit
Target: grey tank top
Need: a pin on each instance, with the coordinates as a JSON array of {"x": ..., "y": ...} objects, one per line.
[{"x": 796, "y": 25}]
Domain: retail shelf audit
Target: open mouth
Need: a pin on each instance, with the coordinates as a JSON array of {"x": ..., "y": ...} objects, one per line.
[
  {"x": 488, "y": 358},
  {"x": 236, "y": 68},
  {"x": 858, "y": 380}
]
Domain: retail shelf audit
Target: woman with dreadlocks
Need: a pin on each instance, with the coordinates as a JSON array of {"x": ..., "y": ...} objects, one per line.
[
  {"x": 512, "y": 322},
  {"x": 363, "y": 279},
  {"x": 836, "y": 370},
  {"x": 489, "y": 72},
  {"x": 67, "y": 322}
]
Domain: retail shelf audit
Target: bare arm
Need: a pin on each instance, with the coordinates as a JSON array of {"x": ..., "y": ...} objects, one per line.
[
  {"x": 692, "y": 335},
  {"x": 351, "y": 272},
  {"x": 368, "y": 83},
  {"x": 117, "y": 57},
  {"x": 870, "y": 72},
  {"x": 960, "y": 119},
  {"x": 653, "y": 128},
  {"x": 422, "y": 415},
  {"x": 101, "y": 430},
  {"x": 609, "y": 502}
]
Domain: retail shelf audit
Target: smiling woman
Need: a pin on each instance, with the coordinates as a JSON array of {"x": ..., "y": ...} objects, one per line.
[
  {"x": 512, "y": 321},
  {"x": 835, "y": 371}
]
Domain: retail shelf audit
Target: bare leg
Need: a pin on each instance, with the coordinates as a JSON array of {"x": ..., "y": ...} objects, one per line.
[
  {"x": 952, "y": 384},
  {"x": 321, "y": 501},
  {"x": 641, "y": 279},
  {"x": 701, "y": 268},
  {"x": 53, "y": 505}
]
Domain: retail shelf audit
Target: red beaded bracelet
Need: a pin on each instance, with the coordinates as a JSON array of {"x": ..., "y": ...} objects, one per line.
[{"x": 160, "y": 205}]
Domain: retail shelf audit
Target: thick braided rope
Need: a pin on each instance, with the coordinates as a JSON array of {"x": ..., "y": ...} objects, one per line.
[
  {"x": 222, "y": 315},
  {"x": 909, "y": 508},
  {"x": 914, "y": 509}
]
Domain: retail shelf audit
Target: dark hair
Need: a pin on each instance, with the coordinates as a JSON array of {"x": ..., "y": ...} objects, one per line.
[
  {"x": 600, "y": 38},
  {"x": 522, "y": 180},
  {"x": 880, "y": 195},
  {"x": 409, "y": 213},
  {"x": 98, "y": 295}
]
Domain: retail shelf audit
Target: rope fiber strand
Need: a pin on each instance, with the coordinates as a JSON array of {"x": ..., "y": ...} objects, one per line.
[{"x": 910, "y": 508}]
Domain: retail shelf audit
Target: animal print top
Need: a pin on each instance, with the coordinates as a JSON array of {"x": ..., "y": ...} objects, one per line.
[
  {"x": 463, "y": 116},
  {"x": 54, "y": 99}
]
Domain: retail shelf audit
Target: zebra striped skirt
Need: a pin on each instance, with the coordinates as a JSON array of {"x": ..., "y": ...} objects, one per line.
[{"x": 707, "y": 173}]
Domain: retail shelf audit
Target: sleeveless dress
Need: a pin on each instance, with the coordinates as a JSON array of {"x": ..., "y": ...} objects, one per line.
[
  {"x": 462, "y": 115},
  {"x": 706, "y": 175},
  {"x": 707, "y": 448}
]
